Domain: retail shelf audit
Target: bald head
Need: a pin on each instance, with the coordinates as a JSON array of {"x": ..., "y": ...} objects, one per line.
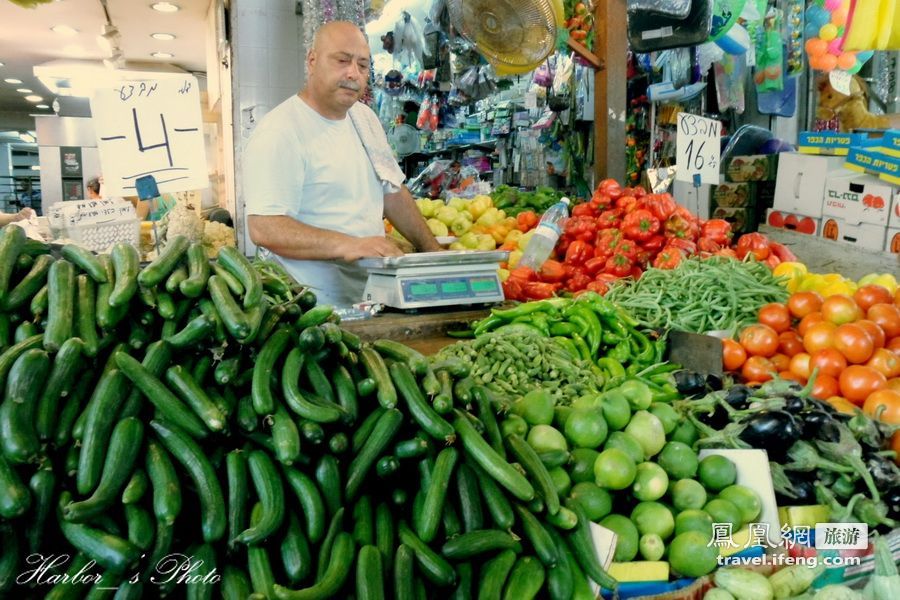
[
  {"x": 338, "y": 32},
  {"x": 337, "y": 69}
]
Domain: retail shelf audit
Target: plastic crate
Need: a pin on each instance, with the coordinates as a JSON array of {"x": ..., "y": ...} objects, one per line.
[{"x": 96, "y": 224}]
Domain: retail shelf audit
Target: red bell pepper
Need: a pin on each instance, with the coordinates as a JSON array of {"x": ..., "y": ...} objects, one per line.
[
  {"x": 654, "y": 244},
  {"x": 683, "y": 244},
  {"x": 578, "y": 280},
  {"x": 552, "y": 271},
  {"x": 783, "y": 253},
  {"x": 636, "y": 272},
  {"x": 538, "y": 290},
  {"x": 627, "y": 203},
  {"x": 578, "y": 253},
  {"x": 728, "y": 252},
  {"x": 717, "y": 230},
  {"x": 637, "y": 191},
  {"x": 627, "y": 248},
  {"x": 607, "y": 240},
  {"x": 523, "y": 274},
  {"x": 618, "y": 264},
  {"x": 581, "y": 228},
  {"x": 601, "y": 201},
  {"x": 669, "y": 258},
  {"x": 598, "y": 287},
  {"x": 644, "y": 257},
  {"x": 755, "y": 243},
  {"x": 609, "y": 218},
  {"x": 595, "y": 265},
  {"x": 527, "y": 220},
  {"x": 661, "y": 205},
  {"x": 678, "y": 226},
  {"x": 772, "y": 261},
  {"x": 707, "y": 245},
  {"x": 640, "y": 225},
  {"x": 585, "y": 209},
  {"x": 610, "y": 187},
  {"x": 514, "y": 289}
]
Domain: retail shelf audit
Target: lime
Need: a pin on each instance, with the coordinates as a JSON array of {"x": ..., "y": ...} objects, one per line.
[
  {"x": 626, "y": 443},
  {"x": 614, "y": 469},
  {"x": 667, "y": 415},
  {"x": 650, "y": 482},
  {"x": 745, "y": 499},
  {"x": 637, "y": 393},
  {"x": 581, "y": 466},
  {"x": 514, "y": 424},
  {"x": 554, "y": 458},
  {"x": 716, "y": 472},
  {"x": 694, "y": 520},
  {"x": 626, "y": 537},
  {"x": 653, "y": 517},
  {"x": 687, "y": 493},
  {"x": 596, "y": 502},
  {"x": 651, "y": 546},
  {"x": 536, "y": 407},
  {"x": 561, "y": 415},
  {"x": 685, "y": 432},
  {"x": 544, "y": 438},
  {"x": 723, "y": 511},
  {"x": 691, "y": 555},
  {"x": 561, "y": 480},
  {"x": 586, "y": 402},
  {"x": 586, "y": 428},
  {"x": 678, "y": 460},
  {"x": 648, "y": 431},
  {"x": 616, "y": 409}
]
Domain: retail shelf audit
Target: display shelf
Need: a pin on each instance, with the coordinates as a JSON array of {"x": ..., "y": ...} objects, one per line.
[
  {"x": 460, "y": 148},
  {"x": 582, "y": 51}
]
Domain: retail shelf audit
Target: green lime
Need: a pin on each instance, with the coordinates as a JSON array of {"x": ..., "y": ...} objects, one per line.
[
  {"x": 614, "y": 469},
  {"x": 691, "y": 554},
  {"x": 596, "y": 502},
  {"x": 667, "y": 415},
  {"x": 587, "y": 402},
  {"x": 651, "y": 546},
  {"x": 626, "y": 443},
  {"x": 536, "y": 407},
  {"x": 616, "y": 409},
  {"x": 678, "y": 460},
  {"x": 723, "y": 511},
  {"x": 716, "y": 472},
  {"x": 581, "y": 465},
  {"x": 561, "y": 480},
  {"x": 687, "y": 493},
  {"x": 554, "y": 458},
  {"x": 626, "y": 537},
  {"x": 544, "y": 438},
  {"x": 561, "y": 415},
  {"x": 650, "y": 482},
  {"x": 586, "y": 428},
  {"x": 638, "y": 394},
  {"x": 685, "y": 432},
  {"x": 648, "y": 431},
  {"x": 653, "y": 517},
  {"x": 694, "y": 519},
  {"x": 745, "y": 499}
]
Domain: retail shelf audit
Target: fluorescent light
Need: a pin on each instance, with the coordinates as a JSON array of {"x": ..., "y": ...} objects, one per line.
[
  {"x": 35, "y": 167},
  {"x": 34, "y": 98},
  {"x": 13, "y": 81},
  {"x": 64, "y": 30},
  {"x": 23, "y": 91},
  {"x": 165, "y": 7},
  {"x": 42, "y": 106},
  {"x": 162, "y": 55},
  {"x": 163, "y": 37},
  {"x": 26, "y": 137},
  {"x": 2, "y": 64}
]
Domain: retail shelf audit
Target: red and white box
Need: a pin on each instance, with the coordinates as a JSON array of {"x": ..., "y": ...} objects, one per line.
[
  {"x": 863, "y": 235},
  {"x": 792, "y": 221}
]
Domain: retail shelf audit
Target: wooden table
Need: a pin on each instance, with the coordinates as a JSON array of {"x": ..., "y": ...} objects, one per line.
[{"x": 426, "y": 332}]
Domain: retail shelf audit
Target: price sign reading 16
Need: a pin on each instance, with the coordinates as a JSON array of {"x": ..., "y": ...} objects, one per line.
[{"x": 697, "y": 149}]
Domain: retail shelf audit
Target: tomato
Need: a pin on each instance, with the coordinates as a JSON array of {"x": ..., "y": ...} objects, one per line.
[
  {"x": 885, "y": 362},
  {"x": 894, "y": 345},
  {"x": 810, "y": 319},
  {"x": 857, "y": 382},
  {"x": 759, "y": 340},
  {"x": 757, "y": 369},
  {"x": 828, "y": 361},
  {"x": 893, "y": 384},
  {"x": 854, "y": 342},
  {"x": 733, "y": 355},
  {"x": 781, "y": 361},
  {"x": 825, "y": 386},
  {"x": 800, "y": 365},
  {"x": 840, "y": 309},
  {"x": 789, "y": 376},
  {"x": 869, "y": 295},
  {"x": 790, "y": 343},
  {"x": 819, "y": 336},
  {"x": 875, "y": 332},
  {"x": 889, "y": 400},
  {"x": 803, "y": 303},
  {"x": 886, "y": 316},
  {"x": 775, "y": 315}
]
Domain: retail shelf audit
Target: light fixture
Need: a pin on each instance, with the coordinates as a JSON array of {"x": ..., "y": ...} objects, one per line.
[
  {"x": 42, "y": 106},
  {"x": 34, "y": 99},
  {"x": 162, "y": 55},
  {"x": 23, "y": 91},
  {"x": 2, "y": 64},
  {"x": 165, "y": 7},
  {"x": 35, "y": 167},
  {"x": 26, "y": 137},
  {"x": 163, "y": 37},
  {"x": 13, "y": 81},
  {"x": 64, "y": 30}
]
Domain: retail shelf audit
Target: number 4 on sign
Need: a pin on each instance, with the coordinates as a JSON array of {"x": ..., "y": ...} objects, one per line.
[{"x": 697, "y": 149}]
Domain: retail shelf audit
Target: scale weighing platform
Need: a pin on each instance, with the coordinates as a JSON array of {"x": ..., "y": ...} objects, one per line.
[{"x": 448, "y": 278}]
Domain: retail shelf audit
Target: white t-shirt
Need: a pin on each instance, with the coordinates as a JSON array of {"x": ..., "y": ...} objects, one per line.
[{"x": 300, "y": 164}]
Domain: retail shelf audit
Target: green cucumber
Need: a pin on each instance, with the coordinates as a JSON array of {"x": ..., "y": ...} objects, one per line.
[
  {"x": 261, "y": 386},
  {"x": 296, "y": 556},
  {"x": 43, "y": 487},
  {"x": 198, "y": 271},
  {"x": 11, "y": 354},
  {"x": 581, "y": 542},
  {"x": 18, "y": 437},
  {"x": 270, "y": 490},
  {"x": 363, "y": 522},
  {"x": 126, "y": 263},
  {"x": 109, "y": 551},
  {"x": 474, "y": 543},
  {"x": 234, "y": 319},
  {"x": 60, "y": 383},
  {"x": 12, "y": 241},
  {"x": 85, "y": 260},
  {"x": 369, "y": 574},
  {"x": 531, "y": 462},
  {"x": 233, "y": 261},
  {"x": 238, "y": 493},
  {"x": 168, "y": 258},
  {"x": 294, "y": 397},
  {"x": 540, "y": 540},
  {"x": 196, "y": 330},
  {"x": 61, "y": 305},
  {"x": 235, "y": 583},
  {"x": 259, "y": 563},
  {"x": 285, "y": 436},
  {"x": 489, "y": 460},
  {"x": 525, "y": 579},
  {"x": 469, "y": 498},
  {"x": 429, "y": 518},
  {"x": 25, "y": 290},
  {"x": 382, "y": 435},
  {"x": 494, "y": 575},
  {"x": 180, "y": 380},
  {"x": 86, "y": 314},
  {"x": 431, "y": 564},
  {"x": 136, "y": 487},
  {"x": 419, "y": 409},
  {"x": 164, "y": 481},
  {"x": 340, "y": 563},
  {"x": 404, "y": 561},
  {"x": 377, "y": 370},
  {"x": 328, "y": 477},
  {"x": 311, "y": 502},
  {"x": 141, "y": 527}
]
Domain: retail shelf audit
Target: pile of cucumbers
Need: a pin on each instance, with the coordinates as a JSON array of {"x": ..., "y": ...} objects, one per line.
[{"x": 197, "y": 429}]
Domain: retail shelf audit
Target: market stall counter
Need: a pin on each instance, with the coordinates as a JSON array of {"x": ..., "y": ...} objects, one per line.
[{"x": 426, "y": 332}]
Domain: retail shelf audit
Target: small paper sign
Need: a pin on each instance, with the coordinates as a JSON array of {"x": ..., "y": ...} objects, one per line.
[
  {"x": 840, "y": 81},
  {"x": 530, "y": 100},
  {"x": 698, "y": 149}
]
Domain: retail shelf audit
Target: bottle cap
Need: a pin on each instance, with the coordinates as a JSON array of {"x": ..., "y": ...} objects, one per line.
[{"x": 565, "y": 200}]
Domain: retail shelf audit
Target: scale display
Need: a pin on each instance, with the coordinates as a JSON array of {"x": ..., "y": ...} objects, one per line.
[{"x": 448, "y": 288}]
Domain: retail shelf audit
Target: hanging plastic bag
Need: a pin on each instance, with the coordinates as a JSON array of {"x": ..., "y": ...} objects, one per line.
[
  {"x": 409, "y": 43},
  {"x": 769, "y": 74},
  {"x": 731, "y": 72}
]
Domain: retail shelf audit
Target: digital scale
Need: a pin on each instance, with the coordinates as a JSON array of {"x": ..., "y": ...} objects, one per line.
[{"x": 449, "y": 278}]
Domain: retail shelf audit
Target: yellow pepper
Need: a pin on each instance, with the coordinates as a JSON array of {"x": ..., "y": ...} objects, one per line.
[{"x": 504, "y": 274}]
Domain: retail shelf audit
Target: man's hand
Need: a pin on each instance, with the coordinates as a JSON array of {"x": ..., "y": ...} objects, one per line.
[
  {"x": 25, "y": 214},
  {"x": 364, "y": 247}
]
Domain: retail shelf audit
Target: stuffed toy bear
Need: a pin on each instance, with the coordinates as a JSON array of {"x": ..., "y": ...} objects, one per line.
[{"x": 851, "y": 112}]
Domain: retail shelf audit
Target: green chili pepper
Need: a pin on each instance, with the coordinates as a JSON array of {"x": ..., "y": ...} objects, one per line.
[
  {"x": 487, "y": 324},
  {"x": 613, "y": 368},
  {"x": 583, "y": 351},
  {"x": 621, "y": 351},
  {"x": 563, "y": 328}
]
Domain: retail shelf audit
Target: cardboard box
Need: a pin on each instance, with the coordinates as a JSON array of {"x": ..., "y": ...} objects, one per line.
[
  {"x": 832, "y": 142},
  {"x": 793, "y": 221},
  {"x": 800, "y": 186},
  {"x": 734, "y": 195},
  {"x": 894, "y": 219},
  {"x": 757, "y": 167},
  {"x": 890, "y": 143},
  {"x": 864, "y": 235},
  {"x": 875, "y": 162},
  {"x": 743, "y": 220},
  {"x": 892, "y": 241},
  {"x": 858, "y": 199}
]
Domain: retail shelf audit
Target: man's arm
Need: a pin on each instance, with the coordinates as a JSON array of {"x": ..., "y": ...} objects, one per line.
[
  {"x": 288, "y": 237},
  {"x": 402, "y": 212}
]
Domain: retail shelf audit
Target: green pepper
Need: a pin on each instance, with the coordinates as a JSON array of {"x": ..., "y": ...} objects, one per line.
[
  {"x": 539, "y": 321},
  {"x": 843, "y": 487},
  {"x": 563, "y": 328},
  {"x": 661, "y": 347},
  {"x": 519, "y": 328},
  {"x": 612, "y": 367},
  {"x": 583, "y": 351},
  {"x": 487, "y": 324},
  {"x": 567, "y": 345},
  {"x": 466, "y": 334},
  {"x": 621, "y": 351},
  {"x": 526, "y": 308},
  {"x": 585, "y": 318},
  {"x": 644, "y": 352}
]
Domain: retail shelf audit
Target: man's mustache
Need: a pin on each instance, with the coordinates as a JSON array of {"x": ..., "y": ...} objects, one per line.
[{"x": 350, "y": 85}]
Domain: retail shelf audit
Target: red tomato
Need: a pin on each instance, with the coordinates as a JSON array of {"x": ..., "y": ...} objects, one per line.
[
  {"x": 819, "y": 336},
  {"x": 825, "y": 386},
  {"x": 789, "y": 376},
  {"x": 886, "y": 316},
  {"x": 869, "y": 295},
  {"x": 857, "y": 382},
  {"x": 875, "y": 332},
  {"x": 894, "y": 345},
  {"x": 775, "y": 315},
  {"x": 790, "y": 343},
  {"x": 759, "y": 340},
  {"x": 757, "y": 369},
  {"x": 828, "y": 361},
  {"x": 884, "y": 405},
  {"x": 800, "y": 365},
  {"x": 893, "y": 384},
  {"x": 810, "y": 319},
  {"x": 803, "y": 303},
  {"x": 854, "y": 342},
  {"x": 840, "y": 309},
  {"x": 733, "y": 355},
  {"x": 781, "y": 362},
  {"x": 885, "y": 362}
]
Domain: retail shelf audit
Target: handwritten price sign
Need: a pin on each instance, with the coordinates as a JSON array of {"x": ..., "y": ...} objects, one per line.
[
  {"x": 698, "y": 151},
  {"x": 150, "y": 128}
]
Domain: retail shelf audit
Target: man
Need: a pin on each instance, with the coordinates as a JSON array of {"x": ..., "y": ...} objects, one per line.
[{"x": 314, "y": 196}]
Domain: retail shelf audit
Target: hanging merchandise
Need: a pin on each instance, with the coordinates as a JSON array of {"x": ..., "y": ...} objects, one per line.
[
  {"x": 769, "y": 74},
  {"x": 731, "y": 73},
  {"x": 561, "y": 96},
  {"x": 828, "y": 45},
  {"x": 793, "y": 35},
  {"x": 660, "y": 24},
  {"x": 476, "y": 83},
  {"x": 393, "y": 82},
  {"x": 409, "y": 43},
  {"x": 780, "y": 103},
  {"x": 735, "y": 41},
  {"x": 725, "y": 14},
  {"x": 318, "y": 12},
  {"x": 872, "y": 25},
  {"x": 580, "y": 21}
]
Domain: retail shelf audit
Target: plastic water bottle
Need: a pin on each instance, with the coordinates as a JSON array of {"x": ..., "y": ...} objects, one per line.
[{"x": 545, "y": 236}]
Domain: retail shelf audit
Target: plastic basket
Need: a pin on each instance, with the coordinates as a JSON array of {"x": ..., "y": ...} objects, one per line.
[
  {"x": 99, "y": 237},
  {"x": 96, "y": 224}
]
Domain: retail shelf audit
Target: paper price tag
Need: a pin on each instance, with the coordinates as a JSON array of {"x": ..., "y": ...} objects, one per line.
[
  {"x": 698, "y": 151},
  {"x": 530, "y": 100},
  {"x": 840, "y": 81}
]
